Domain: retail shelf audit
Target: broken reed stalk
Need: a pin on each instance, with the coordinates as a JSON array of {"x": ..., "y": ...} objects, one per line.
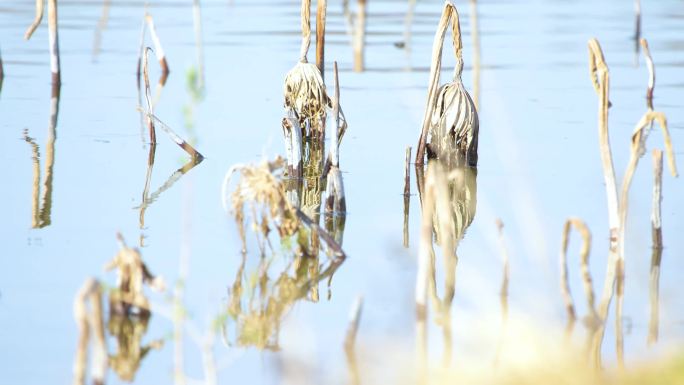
[
  {"x": 407, "y": 195},
  {"x": 151, "y": 118},
  {"x": 90, "y": 322},
  {"x": 321, "y": 6},
  {"x": 360, "y": 37},
  {"x": 600, "y": 78},
  {"x": 638, "y": 149},
  {"x": 335, "y": 189},
  {"x": 651, "y": 73},
  {"x": 161, "y": 56},
  {"x": 657, "y": 253},
  {"x": 584, "y": 232},
  {"x": 148, "y": 96},
  {"x": 36, "y": 22}
]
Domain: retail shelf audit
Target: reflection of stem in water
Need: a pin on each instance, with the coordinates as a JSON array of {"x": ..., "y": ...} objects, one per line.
[
  {"x": 475, "y": 30},
  {"x": 657, "y": 253},
  {"x": 583, "y": 230},
  {"x": 41, "y": 213},
  {"x": 89, "y": 323},
  {"x": 407, "y": 194},
  {"x": 147, "y": 198},
  {"x": 101, "y": 25}
]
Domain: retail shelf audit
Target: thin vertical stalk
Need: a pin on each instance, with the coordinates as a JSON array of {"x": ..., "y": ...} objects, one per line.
[
  {"x": 321, "y": 6},
  {"x": 148, "y": 96},
  {"x": 306, "y": 30},
  {"x": 657, "y": 253},
  {"x": 53, "y": 39},
  {"x": 600, "y": 78},
  {"x": 360, "y": 37}
]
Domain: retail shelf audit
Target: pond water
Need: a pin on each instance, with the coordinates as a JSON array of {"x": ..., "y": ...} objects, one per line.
[{"x": 538, "y": 164}]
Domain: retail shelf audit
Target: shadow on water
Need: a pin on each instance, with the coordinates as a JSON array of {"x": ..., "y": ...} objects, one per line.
[{"x": 41, "y": 206}]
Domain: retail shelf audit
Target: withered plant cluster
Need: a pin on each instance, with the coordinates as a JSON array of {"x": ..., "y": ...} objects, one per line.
[
  {"x": 618, "y": 212},
  {"x": 129, "y": 314},
  {"x": 257, "y": 303},
  {"x": 451, "y": 120}
]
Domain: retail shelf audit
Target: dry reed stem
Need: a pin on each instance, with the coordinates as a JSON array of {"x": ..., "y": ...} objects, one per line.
[
  {"x": 90, "y": 322},
  {"x": 474, "y": 25},
  {"x": 449, "y": 14},
  {"x": 583, "y": 230},
  {"x": 651, "y": 73},
  {"x": 151, "y": 118},
  {"x": 321, "y": 7},
  {"x": 657, "y": 252},
  {"x": 600, "y": 78},
  {"x": 335, "y": 189},
  {"x": 161, "y": 56},
  {"x": 53, "y": 40},
  {"x": 306, "y": 30},
  {"x": 36, "y": 22},
  {"x": 360, "y": 37},
  {"x": 148, "y": 97}
]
